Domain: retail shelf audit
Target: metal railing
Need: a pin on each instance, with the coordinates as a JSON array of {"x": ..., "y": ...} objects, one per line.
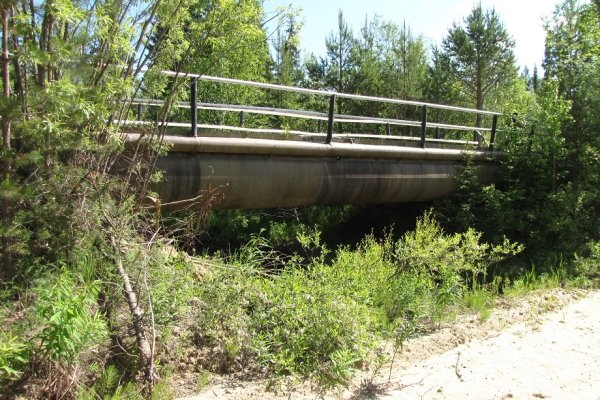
[{"x": 331, "y": 117}]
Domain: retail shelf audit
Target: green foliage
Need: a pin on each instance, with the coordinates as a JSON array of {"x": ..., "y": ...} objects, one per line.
[
  {"x": 108, "y": 386},
  {"x": 170, "y": 282},
  {"x": 230, "y": 229},
  {"x": 532, "y": 280},
  {"x": 70, "y": 325},
  {"x": 339, "y": 46},
  {"x": 474, "y": 64},
  {"x": 480, "y": 300},
  {"x": 429, "y": 250},
  {"x": 14, "y": 356},
  {"x": 588, "y": 263},
  {"x": 432, "y": 261},
  {"x": 69, "y": 197},
  {"x": 320, "y": 319},
  {"x": 533, "y": 201},
  {"x": 220, "y": 318},
  {"x": 203, "y": 381},
  {"x": 480, "y": 53},
  {"x": 306, "y": 321},
  {"x": 384, "y": 59}
]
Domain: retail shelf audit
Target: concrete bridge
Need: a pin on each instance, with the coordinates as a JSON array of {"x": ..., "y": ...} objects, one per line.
[{"x": 243, "y": 167}]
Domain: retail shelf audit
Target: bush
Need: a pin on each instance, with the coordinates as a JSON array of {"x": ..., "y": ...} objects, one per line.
[
  {"x": 221, "y": 316},
  {"x": 14, "y": 356},
  {"x": 317, "y": 318},
  {"x": 588, "y": 263},
  {"x": 66, "y": 309},
  {"x": 308, "y": 324}
]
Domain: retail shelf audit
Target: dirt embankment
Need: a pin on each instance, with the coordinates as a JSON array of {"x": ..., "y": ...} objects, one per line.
[{"x": 544, "y": 346}]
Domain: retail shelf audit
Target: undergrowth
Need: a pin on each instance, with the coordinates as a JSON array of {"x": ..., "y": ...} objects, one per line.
[
  {"x": 321, "y": 319},
  {"x": 317, "y": 314}
]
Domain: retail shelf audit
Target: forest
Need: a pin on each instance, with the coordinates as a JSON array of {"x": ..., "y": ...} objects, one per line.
[{"x": 105, "y": 296}]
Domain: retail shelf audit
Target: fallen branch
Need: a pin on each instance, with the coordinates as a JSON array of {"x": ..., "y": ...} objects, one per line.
[
  {"x": 144, "y": 347},
  {"x": 458, "y": 374}
]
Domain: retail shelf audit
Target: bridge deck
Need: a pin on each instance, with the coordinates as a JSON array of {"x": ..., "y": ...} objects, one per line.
[{"x": 265, "y": 173}]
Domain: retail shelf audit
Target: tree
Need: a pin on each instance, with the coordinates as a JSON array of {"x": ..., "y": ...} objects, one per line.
[
  {"x": 199, "y": 39},
  {"x": 388, "y": 62},
  {"x": 287, "y": 66},
  {"x": 548, "y": 197},
  {"x": 75, "y": 201},
  {"x": 6, "y": 9},
  {"x": 480, "y": 55},
  {"x": 572, "y": 48},
  {"x": 340, "y": 59}
]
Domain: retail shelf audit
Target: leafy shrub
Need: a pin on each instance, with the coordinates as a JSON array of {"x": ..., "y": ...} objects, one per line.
[
  {"x": 70, "y": 324},
  {"x": 221, "y": 314},
  {"x": 318, "y": 318},
  {"x": 588, "y": 264},
  {"x": 309, "y": 325},
  {"x": 14, "y": 355},
  {"x": 171, "y": 281}
]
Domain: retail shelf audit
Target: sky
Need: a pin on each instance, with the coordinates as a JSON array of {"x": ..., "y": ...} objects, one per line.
[{"x": 524, "y": 20}]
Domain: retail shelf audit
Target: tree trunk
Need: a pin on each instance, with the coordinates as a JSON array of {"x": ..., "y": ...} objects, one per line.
[
  {"x": 6, "y": 164},
  {"x": 479, "y": 99}
]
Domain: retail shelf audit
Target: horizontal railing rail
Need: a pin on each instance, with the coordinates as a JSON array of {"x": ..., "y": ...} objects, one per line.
[
  {"x": 326, "y": 93},
  {"x": 331, "y": 117},
  {"x": 304, "y": 114}
]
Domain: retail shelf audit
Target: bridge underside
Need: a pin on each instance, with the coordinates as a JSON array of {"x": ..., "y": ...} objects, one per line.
[
  {"x": 258, "y": 173},
  {"x": 265, "y": 181}
]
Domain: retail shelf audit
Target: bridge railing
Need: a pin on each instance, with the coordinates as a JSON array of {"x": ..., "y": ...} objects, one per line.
[{"x": 330, "y": 117}]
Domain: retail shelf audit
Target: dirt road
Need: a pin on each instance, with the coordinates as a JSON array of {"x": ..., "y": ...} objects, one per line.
[
  {"x": 546, "y": 346},
  {"x": 557, "y": 358}
]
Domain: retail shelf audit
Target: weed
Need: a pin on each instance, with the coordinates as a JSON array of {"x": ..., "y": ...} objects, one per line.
[
  {"x": 480, "y": 300},
  {"x": 14, "y": 355},
  {"x": 202, "y": 381},
  {"x": 532, "y": 280},
  {"x": 69, "y": 323}
]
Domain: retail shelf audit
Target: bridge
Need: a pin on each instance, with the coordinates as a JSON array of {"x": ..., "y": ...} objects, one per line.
[{"x": 264, "y": 167}]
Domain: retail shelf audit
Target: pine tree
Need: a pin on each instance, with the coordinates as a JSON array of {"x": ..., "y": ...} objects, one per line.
[
  {"x": 572, "y": 48},
  {"x": 340, "y": 58},
  {"x": 480, "y": 54}
]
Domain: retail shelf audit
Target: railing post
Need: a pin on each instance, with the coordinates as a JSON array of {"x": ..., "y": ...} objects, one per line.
[
  {"x": 194, "y": 106},
  {"x": 423, "y": 125},
  {"x": 319, "y": 126},
  {"x": 241, "y": 118},
  {"x": 139, "y": 111},
  {"x": 330, "y": 119},
  {"x": 437, "y": 132},
  {"x": 389, "y": 129},
  {"x": 493, "y": 133}
]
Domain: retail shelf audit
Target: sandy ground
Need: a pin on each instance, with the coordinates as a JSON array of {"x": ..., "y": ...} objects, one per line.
[{"x": 545, "y": 346}]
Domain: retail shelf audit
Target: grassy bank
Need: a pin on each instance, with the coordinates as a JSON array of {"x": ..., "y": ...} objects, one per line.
[{"x": 318, "y": 314}]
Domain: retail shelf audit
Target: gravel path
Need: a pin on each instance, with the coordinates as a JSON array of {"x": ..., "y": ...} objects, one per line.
[{"x": 557, "y": 359}]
